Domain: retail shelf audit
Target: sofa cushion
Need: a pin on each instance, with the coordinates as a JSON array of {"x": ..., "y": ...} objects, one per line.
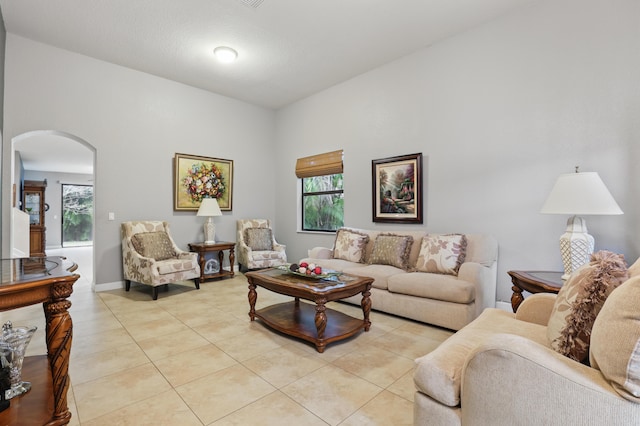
[
  {"x": 391, "y": 249},
  {"x": 259, "y": 239},
  {"x": 156, "y": 245},
  {"x": 438, "y": 374},
  {"x": 615, "y": 340},
  {"x": 350, "y": 245},
  {"x": 171, "y": 266},
  {"x": 579, "y": 301},
  {"x": 442, "y": 253},
  {"x": 433, "y": 286},
  {"x": 379, "y": 273}
]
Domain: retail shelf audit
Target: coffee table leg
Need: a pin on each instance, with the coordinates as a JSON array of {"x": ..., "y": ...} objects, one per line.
[
  {"x": 366, "y": 307},
  {"x": 253, "y": 296},
  {"x": 321, "y": 324}
]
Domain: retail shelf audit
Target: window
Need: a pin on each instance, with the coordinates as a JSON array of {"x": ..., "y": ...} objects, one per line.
[
  {"x": 322, "y": 191},
  {"x": 322, "y": 203}
]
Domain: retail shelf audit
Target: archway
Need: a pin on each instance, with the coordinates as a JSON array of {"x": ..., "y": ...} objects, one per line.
[{"x": 60, "y": 157}]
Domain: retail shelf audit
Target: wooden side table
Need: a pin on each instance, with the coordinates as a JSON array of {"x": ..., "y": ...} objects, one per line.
[
  {"x": 31, "y": 281},
  {"x": 220, "y": 247},
  {"x": 533, "y": 282}
]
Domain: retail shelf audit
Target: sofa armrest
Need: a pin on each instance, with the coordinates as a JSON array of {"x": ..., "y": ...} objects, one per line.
[
  {"x": 320, "y": 253},
  {"x": 485, "y": 279},
  {"x": 536, "y": 308},
  {"x": 188, "y": 255},
  {"x": 512, "y": 380}
]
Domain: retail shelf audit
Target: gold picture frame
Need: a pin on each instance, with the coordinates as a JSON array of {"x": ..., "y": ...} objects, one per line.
[{"x": 197, "y": 177}]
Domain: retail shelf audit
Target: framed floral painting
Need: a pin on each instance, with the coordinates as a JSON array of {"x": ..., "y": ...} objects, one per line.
[
  {"x": 197, "y": 177},
  {"x": 397, "y": 189}
]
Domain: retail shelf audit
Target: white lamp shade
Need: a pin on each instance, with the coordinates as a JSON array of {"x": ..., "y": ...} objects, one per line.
[
  {"x": 209, "y": 207},
  {"x": 581, "y": 193}
]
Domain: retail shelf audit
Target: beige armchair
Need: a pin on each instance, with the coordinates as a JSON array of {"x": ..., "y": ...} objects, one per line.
[
  {"x": 257, "y": 246},
  {"x": 151, "y": 257},
  {"x": 501, "y": 370}
]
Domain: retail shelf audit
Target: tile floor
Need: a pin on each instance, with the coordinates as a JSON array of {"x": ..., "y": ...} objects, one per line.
[{"x": 193, "y": 358}]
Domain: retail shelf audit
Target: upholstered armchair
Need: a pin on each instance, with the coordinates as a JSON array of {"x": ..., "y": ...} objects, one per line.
[
  {"x": 257, "y": 247},
  {"x": 151, "y": 257}
]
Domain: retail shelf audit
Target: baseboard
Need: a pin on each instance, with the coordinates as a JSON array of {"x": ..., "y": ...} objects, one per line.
[
  {"x": 505, "y": 306},
  {"x": 108, "y": 286}
]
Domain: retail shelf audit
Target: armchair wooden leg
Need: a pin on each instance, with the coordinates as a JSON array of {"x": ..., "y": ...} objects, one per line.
[
  {"x": 127, "y": 285},
  {"x": 196, "y": 281},
  {"x": 154, "y": 293}
]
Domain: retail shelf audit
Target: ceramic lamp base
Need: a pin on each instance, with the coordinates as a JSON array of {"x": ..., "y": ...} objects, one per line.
[
  {"x": 209, "y": 231},
  {"x": 576, "y": 245}
]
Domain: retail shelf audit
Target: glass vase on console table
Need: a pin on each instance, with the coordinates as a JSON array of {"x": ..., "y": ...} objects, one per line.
[{"x": 16, "y": 339}]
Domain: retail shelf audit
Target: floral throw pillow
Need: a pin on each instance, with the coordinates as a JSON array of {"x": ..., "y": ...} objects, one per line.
[
  {"x": 579, "y": 301},
  {"x": 350, "y": 245},
  {"x": 155, "y": 245},
  {"x": 259, "y": 239},
  {"x": 391, "y": 249},
  {"x": 442, "y": 254}
]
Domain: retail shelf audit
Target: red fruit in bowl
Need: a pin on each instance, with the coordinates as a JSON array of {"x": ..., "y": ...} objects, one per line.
[
  {"x": 318, "y": 270},
  {"x": 304, "y": 264}
]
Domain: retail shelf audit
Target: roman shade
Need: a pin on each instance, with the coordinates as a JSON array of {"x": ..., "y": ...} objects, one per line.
[{"x": 329, "y": 163}]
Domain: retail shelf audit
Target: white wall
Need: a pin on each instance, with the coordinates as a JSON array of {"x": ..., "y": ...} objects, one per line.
[
  {"x": 136, "y": 122},
  {"x": 498, "y": 112}
]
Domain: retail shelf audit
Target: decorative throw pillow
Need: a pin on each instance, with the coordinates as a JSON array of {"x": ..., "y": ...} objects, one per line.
[
  {"x": 155, "y": 245},
  {"x": 615, "y": 340},
  {"x": 634, "y": 269},
  {"x": 442, "y": 254},
  {"x": 350, "y": 245},
  {"x": 579, "y": 301},
  {"x": 259, "y": 239},
  {"x": 391, "y": 249}
]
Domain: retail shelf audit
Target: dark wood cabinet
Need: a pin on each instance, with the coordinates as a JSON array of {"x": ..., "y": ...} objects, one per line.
[{"x": 33, "y": 203}]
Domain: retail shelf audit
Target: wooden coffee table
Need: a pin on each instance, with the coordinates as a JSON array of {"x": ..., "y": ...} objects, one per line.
[{"x": 316, "y": 324}]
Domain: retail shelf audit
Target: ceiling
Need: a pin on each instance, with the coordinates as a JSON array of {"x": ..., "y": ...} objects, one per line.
[{"x": 288, "y": 49}]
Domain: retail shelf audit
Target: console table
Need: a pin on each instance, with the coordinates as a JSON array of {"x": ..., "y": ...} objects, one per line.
[
  {"x": 46, "y": 280},
  {"x": 220, "y": 247},
  {"x": 533, "y": 282}
]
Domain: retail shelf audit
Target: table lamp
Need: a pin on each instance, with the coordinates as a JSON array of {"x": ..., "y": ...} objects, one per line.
[
  {"x": 209, "y": 208},
  {"x": 579, "y": 193}
]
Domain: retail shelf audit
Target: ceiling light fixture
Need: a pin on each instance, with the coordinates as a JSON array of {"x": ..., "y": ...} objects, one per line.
[{"x": 225, "y": 54}]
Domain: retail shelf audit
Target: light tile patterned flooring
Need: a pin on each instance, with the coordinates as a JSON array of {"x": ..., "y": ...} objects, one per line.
[{"x": 193, "y": 358}]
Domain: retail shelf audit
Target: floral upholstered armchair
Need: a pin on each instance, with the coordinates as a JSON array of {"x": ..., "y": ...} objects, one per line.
[
  {"x": 151, "y": 257},
  {"x": 257, "y": 247}
]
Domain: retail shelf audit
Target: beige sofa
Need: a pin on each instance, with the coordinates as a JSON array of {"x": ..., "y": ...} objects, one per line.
[
  {"x": 500, "y": 370},
  {"x": 445, "y": 300}
]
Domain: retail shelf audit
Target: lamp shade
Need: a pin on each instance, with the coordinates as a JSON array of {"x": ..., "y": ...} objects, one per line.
[
  {"x": 581, "y": 193},
  {"x": 209, "y": 207}
]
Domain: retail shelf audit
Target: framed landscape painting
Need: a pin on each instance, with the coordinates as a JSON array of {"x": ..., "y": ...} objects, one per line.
[
  {"x": 197, "y": 177},
  {"x": 397, "y": 189}
]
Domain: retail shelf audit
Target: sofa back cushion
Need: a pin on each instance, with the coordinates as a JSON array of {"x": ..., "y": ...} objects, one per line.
[
  {"x": 615, "y": 340},
  {"x": 156, "y": 245},
  {"x": 259, "y": 239},
  {"x": 391, "y": 249},
  {"x": 579, "y": 301},
  {"x": 442, "y": 254},
  {"x": 350, "y": 245}
]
